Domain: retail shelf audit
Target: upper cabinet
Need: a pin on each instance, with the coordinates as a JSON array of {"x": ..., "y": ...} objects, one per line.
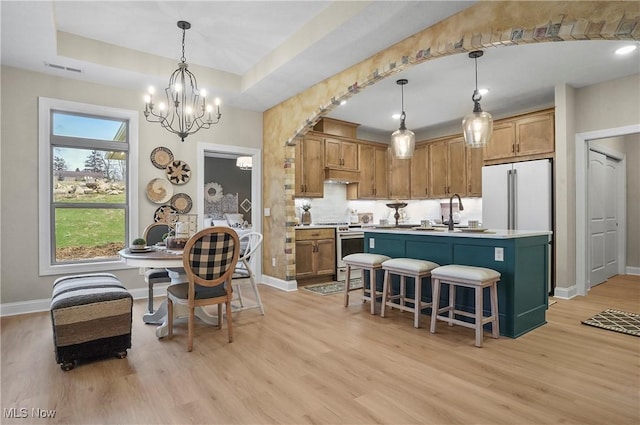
[
  {"x": 520, "y": 138},
  {"x": 447, "y": 168},
  {"x": 399, "y": 177},
  {"x": 310, "y": 167},
  {"x": 340, "y": 154},
  {"x": 474, "y": 171},
  {"x": 420, "y": 172},
  {"x": 373, "y": 173}
]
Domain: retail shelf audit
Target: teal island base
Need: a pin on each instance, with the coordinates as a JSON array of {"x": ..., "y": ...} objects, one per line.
[{"x": 522, "y": 258}]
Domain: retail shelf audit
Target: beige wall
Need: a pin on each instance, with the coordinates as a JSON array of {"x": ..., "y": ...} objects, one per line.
[
  {"x": 483, "y": 25},
  {"x": 19, "y": 167}
]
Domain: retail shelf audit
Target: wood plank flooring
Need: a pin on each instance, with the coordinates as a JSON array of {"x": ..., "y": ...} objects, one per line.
[{"x": 309, "y": 360}]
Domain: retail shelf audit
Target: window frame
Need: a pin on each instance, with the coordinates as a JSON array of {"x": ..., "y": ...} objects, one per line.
[{"x": 46, "y": 107}]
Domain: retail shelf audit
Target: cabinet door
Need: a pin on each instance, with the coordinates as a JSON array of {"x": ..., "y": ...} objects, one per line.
[
  {"x": 309, "y": 167},
  {"x": 380, "y": 184},
  {"x": 535, "y": 135},
  {"x": 305, "y": 251},
  {"x": 457, "y": 167},
  {"x": 399, "y": 177},
  {"x": 349, "y": 156},
  {"x": 332, "y": 152},
  {"x": 367, "y": 172},
  {"x": 438, "y": 169},
  {"x": 325, "y": 257},
  {"x": 420, "y": 173},
  {"x": 474, "y": 171},
  {"x": 503, "y": 140}
]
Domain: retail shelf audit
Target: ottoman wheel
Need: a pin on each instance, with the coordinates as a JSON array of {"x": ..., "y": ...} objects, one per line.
[
  {"x": 67, "y": 366},
  {"x": 121, "y": 354}
]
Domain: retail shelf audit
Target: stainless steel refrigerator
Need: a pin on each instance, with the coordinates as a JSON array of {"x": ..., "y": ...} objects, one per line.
[{"x": 518, "y": 196}]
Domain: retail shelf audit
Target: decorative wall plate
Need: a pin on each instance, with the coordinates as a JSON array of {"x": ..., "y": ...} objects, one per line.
[
  {"x": 161, "y": 157},
  {"x": 159, "y": 191},
  {"x": 213, "y": 192},
  {"x": 181, "y": 202},
  {"x": 163, "y": 214},
  {"x": 178, "y": 172}
]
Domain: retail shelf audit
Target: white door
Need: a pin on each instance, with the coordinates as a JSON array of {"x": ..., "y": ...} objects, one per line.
[{"x": 603, "y": 221}]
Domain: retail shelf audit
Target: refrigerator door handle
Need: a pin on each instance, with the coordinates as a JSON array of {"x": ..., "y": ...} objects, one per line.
[
  {"x": 514, "y": 199},
  {"x": 511, "y": 199}
]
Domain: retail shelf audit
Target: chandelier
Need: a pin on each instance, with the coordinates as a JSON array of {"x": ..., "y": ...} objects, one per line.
[
  {"x": 185, "y": 109},
  {"x": 478, "y": 125},
  {"x": 403, "y": 141}
]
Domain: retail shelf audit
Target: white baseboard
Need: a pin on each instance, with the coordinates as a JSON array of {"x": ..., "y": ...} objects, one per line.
[
  {"x": 566, "y": 293},
  {"x": 284, "y": 285},
  {"x": 632, "y": 271},
  {"x": 35, "y": 306}
]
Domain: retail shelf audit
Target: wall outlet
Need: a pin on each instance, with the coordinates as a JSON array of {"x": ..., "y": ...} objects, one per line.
[
  {"x": 499, "y": 254},
  {"x": 372, "y": 243},
  {"x": 273, "y": 262}
]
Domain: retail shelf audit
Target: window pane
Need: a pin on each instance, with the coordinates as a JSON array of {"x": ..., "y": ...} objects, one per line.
[
  {"x": 89, "y": 127},
  {"x": 88, "y": 234},
  {"x": 86, "y": 175}
]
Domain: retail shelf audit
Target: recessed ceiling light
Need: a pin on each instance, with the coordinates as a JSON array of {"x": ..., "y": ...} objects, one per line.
[
  {"x": 626, "y": 49},
  {"x": 395, "y": 116},
  {"x": 483, "y": 91},
  {"x": 343, "y": 102}
]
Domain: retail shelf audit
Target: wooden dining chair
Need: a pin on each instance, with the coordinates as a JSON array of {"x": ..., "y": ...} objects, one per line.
[{"x": 210, "y": 258}]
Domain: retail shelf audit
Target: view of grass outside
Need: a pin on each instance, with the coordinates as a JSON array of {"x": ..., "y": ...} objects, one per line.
[{"x": 88, "y": 233}]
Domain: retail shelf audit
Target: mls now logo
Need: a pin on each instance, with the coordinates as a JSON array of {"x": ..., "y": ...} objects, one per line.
[{"x": 23, "y": 412}]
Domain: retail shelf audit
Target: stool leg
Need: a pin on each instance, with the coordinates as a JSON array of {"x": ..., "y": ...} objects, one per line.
[
  {"x": 435, "y": 303},
  {"x": 385, "y": 292},
  {"x": 452, "y": 303},
  {"x": 372, "y": 289},
  {"x": 479, "y": 316},
  {"x": 403, "y": 289},
  {"x": 347, "y": 284},
  {"x": 418, "y": 301},
  {"x": 495, "y": 326}
]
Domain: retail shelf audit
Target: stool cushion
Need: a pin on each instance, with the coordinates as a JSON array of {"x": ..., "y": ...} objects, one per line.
[
  {"x": 365, "y": 260},
  {"x": 454, "y": 271},
  {"x": 409, "y": 265}
]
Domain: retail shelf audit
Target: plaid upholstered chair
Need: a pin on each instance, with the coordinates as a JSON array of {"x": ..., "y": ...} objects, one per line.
[{"x": 209, "y": 259}]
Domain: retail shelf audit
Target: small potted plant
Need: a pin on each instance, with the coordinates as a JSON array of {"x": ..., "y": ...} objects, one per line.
[
  {"x": 138, "y": 243},
  {"x": 306, "y": 215}
]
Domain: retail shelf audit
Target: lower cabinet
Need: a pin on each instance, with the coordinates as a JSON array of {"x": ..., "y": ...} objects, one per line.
[{"x": 315, "y": 254}]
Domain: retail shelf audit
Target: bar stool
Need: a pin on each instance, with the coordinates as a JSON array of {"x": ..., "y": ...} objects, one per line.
[
  {"x": 365, "y": 262},
  {"x": 470, "y": 277},
  {"x": 406, "y": 267}
]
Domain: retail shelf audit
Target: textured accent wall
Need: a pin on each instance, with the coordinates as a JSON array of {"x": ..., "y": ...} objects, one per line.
[{"x": 484, "y": 25}]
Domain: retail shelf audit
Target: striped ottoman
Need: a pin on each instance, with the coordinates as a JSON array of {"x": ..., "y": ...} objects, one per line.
[{"x": 91, "y": 317}]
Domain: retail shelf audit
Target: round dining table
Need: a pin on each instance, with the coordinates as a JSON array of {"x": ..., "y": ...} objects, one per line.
[{"x": 153, "y": 257}]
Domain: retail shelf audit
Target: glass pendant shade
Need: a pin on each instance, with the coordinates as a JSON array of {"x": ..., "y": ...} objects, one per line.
[
  {"x": 403, "y": 143},
  {"x": 477, "y": 128}
]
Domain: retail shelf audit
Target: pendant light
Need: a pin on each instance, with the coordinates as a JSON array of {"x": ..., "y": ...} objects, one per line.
[
  {"x": 185, "y": 109},
  {"x": 478, "y": 125},
  {"x": 403, "y": 141}
]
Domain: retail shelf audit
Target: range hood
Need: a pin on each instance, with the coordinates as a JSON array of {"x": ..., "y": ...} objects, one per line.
[{"x": 341, "y": 176}]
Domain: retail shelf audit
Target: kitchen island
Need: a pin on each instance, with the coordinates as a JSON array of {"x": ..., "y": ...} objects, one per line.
[{"x": 522, "y": 258}]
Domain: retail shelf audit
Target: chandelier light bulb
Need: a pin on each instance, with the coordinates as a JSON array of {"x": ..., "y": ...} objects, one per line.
[
  {"x": 203, "y": 93},
  {"x": 147, "y": 98},
  {"x": 217, "y": 101},
  {"x": 162, "y": 106},
  {"x": 151, "y": 90},
  {"x": 177, "y": 87},
  {"x": 209, "y": 108}
]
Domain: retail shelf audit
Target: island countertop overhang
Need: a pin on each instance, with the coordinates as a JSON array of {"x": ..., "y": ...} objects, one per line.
[{"x": 459, "y": 233}]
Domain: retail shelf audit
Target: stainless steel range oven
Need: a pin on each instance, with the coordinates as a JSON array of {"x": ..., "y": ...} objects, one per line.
[{"x": 349, "y": 240}]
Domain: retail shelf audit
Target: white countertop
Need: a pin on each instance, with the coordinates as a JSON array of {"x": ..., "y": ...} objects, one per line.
[{"x": 463, "y": 233}]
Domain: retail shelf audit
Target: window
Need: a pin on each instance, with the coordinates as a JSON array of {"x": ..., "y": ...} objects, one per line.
[{"x": 87, "y": 191}]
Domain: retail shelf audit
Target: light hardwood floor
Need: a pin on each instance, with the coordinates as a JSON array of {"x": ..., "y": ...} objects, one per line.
[{"x": 309, "y": 360}]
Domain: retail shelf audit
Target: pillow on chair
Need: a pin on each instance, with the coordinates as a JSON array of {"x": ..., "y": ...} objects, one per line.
[{"x": 234, "y": 219}]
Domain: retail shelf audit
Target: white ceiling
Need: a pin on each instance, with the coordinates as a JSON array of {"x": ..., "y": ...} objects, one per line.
[{"x": 254, "y": 55}]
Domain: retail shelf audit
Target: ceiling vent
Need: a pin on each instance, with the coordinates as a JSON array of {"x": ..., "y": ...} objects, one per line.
[{"x": 63, "y": 68}]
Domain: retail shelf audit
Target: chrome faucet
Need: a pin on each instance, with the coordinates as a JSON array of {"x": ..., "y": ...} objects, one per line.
[{"x": 451, "y": 209}]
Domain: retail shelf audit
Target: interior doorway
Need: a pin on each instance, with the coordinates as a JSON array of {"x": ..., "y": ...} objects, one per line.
[{"x": 583, "y": 250}]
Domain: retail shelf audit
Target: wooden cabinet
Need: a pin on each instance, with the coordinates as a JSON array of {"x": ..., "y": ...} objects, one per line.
[
  {"x": 420, "y": 172},
  {"x": 529, "y": 136},
  {"x": 399, "y": 177},
  {"x": 474, "y": 171},
  {"x": 341, "y": 154},
  {"x": 447, "y": 168},
  {"x": 310, "y": 167},
  {"x": 315, "y": 253},
  {"x": 373, "y": 174}
]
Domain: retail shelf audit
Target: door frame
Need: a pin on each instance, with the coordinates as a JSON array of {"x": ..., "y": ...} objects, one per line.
[
  {"x": 582, "y": 198},
  {"x": 210, "y": 150}
]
